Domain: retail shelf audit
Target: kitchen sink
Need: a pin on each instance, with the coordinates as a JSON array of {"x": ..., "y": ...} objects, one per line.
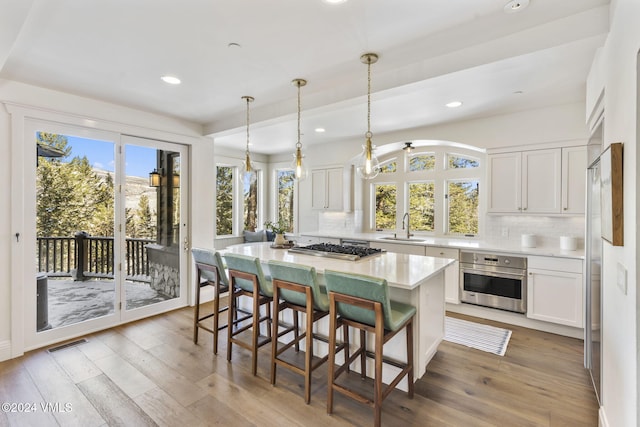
[{"x": 403, "y": 239}]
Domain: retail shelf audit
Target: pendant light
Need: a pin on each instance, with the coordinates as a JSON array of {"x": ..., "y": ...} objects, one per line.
[
  {"x": 300, "y": 171},
  {"x": 368, "y": 166},
  {"x": 249, "y": 172}
]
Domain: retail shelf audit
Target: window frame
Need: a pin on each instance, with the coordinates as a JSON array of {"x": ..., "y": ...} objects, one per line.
[
  {"x": 238, "y": 195},
  {"x": 440, "y": 176}
]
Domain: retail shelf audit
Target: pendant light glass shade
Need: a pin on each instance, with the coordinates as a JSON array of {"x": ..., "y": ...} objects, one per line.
[
  {"x": 299, "y": 168},
  {"x": 249, "y": 171},
  {"x": 368, "y": 166}
]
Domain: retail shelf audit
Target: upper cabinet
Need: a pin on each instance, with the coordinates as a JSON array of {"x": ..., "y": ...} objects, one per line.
[
  {"x": 574, "y": 164},
  {"x": 330, "y": 189},
  {"x": 538, "y": 181}
]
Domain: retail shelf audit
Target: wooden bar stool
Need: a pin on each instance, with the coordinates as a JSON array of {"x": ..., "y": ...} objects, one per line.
[
  {"x": 363, "y": 302},
  {"x": 296, "y": 287},
  {"x": 247, "y": 279},
  {"x": 210, "y": 272}
]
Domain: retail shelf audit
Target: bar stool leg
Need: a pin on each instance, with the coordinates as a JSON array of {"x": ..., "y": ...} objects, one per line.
[
  {"x": 216, "y": 318},
  {"x": 232, "y": 315},
  {"x": 332, "y": 354},
  {"x": 196, "y": 315},
  {"x": 410, "y": 358}
]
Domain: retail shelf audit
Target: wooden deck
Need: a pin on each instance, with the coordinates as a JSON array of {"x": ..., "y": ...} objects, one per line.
[{"x": 150, "y": 373}]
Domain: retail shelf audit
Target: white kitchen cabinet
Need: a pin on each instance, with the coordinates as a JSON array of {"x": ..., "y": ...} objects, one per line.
[
  {"x": 328, "y": 189},
  {"x": 505, "y": 190},
  {"x": 399, "y": 248},
  {"x": 304, "y": 240},
  {"x": 574, "y": 165},
  {"x": 451, "y": 274},
  {"x": 555, "y": 291},
  {"x": 547, "y": 181}
]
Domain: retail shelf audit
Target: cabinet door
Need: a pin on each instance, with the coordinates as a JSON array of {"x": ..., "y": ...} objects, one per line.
[
  {"x": 399, "y": 248},
  {"x": 335, "y": 189},
  {"x": 451, "y": 274},
  {"x": 555, "y": 296},
  {"x": 574, "y": 165},
  {"x": 318, "y": 189},
  {"x": 327, "y": 190},
  {"x": 504, "y": 195},
  {"x": 541, "y": 179}
]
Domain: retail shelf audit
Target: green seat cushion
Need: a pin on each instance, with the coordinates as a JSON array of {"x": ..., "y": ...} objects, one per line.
[
  {"x": 251, "y": 265},
  {"x": 302, "y": 275},
  {"x": 369, "y": 288},
  {"x": 210, "y": 257}
]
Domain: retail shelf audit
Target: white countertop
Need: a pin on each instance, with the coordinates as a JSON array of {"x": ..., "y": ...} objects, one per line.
[
  {"x": 401, "y": 270},
  {"x": 478, "y": 245}
]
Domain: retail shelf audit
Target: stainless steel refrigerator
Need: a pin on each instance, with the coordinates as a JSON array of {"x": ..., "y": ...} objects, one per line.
[{"x": 593, "y": 262}]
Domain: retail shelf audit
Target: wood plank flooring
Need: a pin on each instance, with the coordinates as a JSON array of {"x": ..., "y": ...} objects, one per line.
[{"x": 150, "y": 373}]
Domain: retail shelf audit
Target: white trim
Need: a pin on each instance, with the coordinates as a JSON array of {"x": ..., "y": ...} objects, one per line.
[
  {"x": 602, "y": 418},
  {"x": 20, "y": 158},
  {"x": 5, "y": 350}
]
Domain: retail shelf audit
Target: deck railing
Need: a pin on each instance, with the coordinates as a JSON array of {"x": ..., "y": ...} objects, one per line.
[{"x": 84, "y": 256}]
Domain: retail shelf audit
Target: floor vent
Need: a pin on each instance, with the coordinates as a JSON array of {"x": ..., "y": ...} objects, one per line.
[{"x": 67, "y": 345}]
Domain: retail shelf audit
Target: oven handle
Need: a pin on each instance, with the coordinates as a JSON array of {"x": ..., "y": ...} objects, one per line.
[{"x": 463, "y": 270}]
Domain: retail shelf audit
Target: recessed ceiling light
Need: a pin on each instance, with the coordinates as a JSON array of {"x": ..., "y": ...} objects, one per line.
[
  {"x": 454, "y": 104},
  {"x": 515, "y": 6},
  {"x": 319, "y": 130},
  {"x": 171, "y": 80},
  {"x": 334, "y": 1}
]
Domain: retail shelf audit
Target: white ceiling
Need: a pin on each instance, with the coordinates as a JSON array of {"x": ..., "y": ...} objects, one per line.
[{"x": 431, "y": 52}]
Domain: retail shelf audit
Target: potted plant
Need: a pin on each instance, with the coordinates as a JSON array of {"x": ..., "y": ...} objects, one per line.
[{"x": 279, "y": 228}]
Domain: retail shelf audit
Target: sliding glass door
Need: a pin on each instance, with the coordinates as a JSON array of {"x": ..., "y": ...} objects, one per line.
[{"x": 108, "y": 232}]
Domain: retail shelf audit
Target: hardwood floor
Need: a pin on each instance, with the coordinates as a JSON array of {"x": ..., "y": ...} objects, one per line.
[{"x": 150, "y": 373}]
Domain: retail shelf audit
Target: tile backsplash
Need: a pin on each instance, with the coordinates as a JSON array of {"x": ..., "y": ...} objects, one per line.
[
  {"x": 546, "y": 229},
  {"x": 508, "y": 229}
]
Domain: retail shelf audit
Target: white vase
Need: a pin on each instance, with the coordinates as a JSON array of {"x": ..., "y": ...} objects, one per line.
[{"x": 280, "y": 240}]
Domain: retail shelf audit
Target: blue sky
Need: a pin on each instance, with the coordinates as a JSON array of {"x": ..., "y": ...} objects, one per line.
[{"x": 139, "y": 160}]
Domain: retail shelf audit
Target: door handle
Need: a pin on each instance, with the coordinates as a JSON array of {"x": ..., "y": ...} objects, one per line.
[{"x": 186, "y": 245}]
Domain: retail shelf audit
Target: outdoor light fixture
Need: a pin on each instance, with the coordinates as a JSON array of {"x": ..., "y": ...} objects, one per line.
[
  {"x": 248, "y": 167},
  {"x": 300, "y": 171},
  {"x": 154, "y": 178},
  {"x": 368, "y": 165},
  {"x": 408, "y": 147}
]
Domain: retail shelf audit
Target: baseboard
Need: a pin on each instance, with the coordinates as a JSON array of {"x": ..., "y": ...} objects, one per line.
[
  {"x": 5, "y": 350},
  {"x": 515, "y": 319},
  {"x": 602, "y": 418}
]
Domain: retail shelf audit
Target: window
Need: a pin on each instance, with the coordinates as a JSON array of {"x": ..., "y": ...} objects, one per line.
[
  {"x": 463, "y": 206},
  {"x": 385, "y": 196},
  {"x": 224, "y": 200},
  {"x": 285, "y": 197},
  {"x": 421, "y": 206},
  {"x": 389, "y": 167},
  {"x": 439, "y": 189},
  {"x": 462, "y": 162},
  {"x": 251, "y": 202},
  {"x": 422, "y": 162}
]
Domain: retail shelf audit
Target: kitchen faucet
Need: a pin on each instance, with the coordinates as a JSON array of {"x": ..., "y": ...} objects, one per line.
[{"x": 406, "y": 215}]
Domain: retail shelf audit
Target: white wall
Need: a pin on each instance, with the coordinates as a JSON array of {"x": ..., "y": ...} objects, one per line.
[
  {"x": 618, "y": 72},
  {"x": 97, "y": 115}
]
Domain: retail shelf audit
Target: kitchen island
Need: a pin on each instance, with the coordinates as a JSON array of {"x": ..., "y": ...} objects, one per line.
[{"x": 413, "y": 279}]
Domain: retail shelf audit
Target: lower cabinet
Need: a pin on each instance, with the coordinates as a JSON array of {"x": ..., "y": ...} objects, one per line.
[
  {"x": 451, "y": 274},
  {"x": 303, "y": 240},
  {"x": 555, "y": 291},
  {"x": 399, "y": 248}
]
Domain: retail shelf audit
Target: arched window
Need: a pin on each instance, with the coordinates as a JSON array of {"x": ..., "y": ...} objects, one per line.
[{"x": 437, "y": 185}]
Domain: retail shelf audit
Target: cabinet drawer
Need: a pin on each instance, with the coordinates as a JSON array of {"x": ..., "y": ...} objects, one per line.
[
  {"x": 440, "y": 252},
  {"x": 555, "y": 264}
]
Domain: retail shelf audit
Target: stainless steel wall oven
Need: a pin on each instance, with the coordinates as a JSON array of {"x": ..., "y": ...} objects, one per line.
[{"x": 497, "y": 281}]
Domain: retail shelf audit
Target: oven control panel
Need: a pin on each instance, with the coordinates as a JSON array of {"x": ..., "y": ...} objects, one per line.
[{"x": 487, "y": 259}]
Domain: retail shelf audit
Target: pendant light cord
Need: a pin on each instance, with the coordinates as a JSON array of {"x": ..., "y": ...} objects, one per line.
[
  {"x": 298, "y": 144},
  {"x": 369, "y": 134},
  {"x": 248, "y": 100}
]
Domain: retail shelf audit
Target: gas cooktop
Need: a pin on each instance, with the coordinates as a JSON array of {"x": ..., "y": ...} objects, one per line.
[{"x": 330, "y": 250}]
